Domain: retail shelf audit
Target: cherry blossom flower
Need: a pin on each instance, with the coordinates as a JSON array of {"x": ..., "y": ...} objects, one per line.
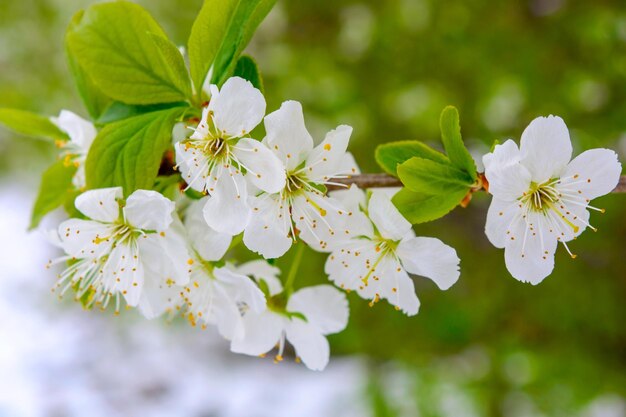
[
  {"x": 215, "y": 295},
  {"x": 219, "y": 156},
  {"x": 125, "y": 249},
  {"x": 303, "y": 319},
  {"x": 300, "y": 208},
  {"x": 540, "y": 197},
  {"x": 219, "y": 296},
  {"x": 82, "y": 133},
  {"x": 380, "y": 251}
]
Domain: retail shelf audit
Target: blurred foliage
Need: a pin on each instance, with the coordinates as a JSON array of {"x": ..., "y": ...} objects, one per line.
[{"x": 490, "y": 345}]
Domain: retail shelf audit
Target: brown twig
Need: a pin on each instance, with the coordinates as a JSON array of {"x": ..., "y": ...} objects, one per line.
[
  {"x": 366, "y": 181},
  {"x": 385, "y": 180},
  {"x": 369, "y": 180}
]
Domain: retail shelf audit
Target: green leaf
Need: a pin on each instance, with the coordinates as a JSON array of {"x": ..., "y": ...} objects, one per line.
[
  {"x": 95, "y": 101},
  {"x": 247, "y": 69},
  {"x": 419, "y": 207},
  {"x": 30, "y": 124},
  {"x": 128, "y": 153},
  {"x": 453, "y": 143},
  {"x": 56, "y": 184},
  {"x": 125, "y": 53},
  {"x": 207, "y": 34},
  {"x": 248, "y": 15},
  {"x": 69, "y": 206},
  {"x": 174, "y": 63},
  {"x": 390, "y": 155},
  {"x": 430, "y": 177},
  {"x": 221, "y": 31},
  {"x": 117, "y": 111}
]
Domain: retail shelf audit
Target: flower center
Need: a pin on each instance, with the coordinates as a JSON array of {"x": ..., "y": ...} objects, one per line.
[
  {"x": 216, "y": 147},
  {"x": 383, "y": 248},
  {"x": 541, "y": 197},
  {"x": 295, "y": 183}
]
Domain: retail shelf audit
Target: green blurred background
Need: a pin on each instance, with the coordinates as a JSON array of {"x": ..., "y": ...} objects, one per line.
[{"x": 388, "y": 68}]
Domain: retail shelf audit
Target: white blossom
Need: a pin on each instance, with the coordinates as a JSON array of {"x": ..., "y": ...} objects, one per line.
[
  {"x": 303, "y": 319},
  {"x": 382, "y": 248},
  {"x": 540, "y": 197},
  {"x": 125, "y": 249},
  {"x": 300, "y": 208},
  {"x": 219, "y": 156},
  {"x": 216, "y": 295},
  {"x": 81, "y": 133},
  {"x": 220, "y": 296}
]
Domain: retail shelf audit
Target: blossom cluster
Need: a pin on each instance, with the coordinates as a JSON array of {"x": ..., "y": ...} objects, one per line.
[{"x": 165, "y": 257}]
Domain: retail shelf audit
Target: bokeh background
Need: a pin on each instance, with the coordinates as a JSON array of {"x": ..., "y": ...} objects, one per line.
[{"x": 489, "y": 346}]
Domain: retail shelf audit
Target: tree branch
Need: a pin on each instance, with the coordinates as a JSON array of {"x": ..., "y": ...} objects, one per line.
[
  {"x": 364, "y": 180},
  {"x": 385, "y": 180}
]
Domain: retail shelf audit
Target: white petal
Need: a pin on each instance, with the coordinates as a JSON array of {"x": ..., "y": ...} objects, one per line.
[
  {"x": 165, "y": 256},
  {"x": 81, "y": 132},
  {"x": 352, "y": 198},
  {"x": 261, "y": 270},
  {"x": 100, "y": 204},
  {"x": 320, "y": 219},
  {"x": 324, "y": 307},
  {"x": 227, "y": 317},
  {"x": 387, "y": 218},
  {"x": 545, "y": 148},
  {"x": 354, "y": 201},
  {"x": 406, "y": 299},
  {"x": 157, "y": 297},
  {"x": 499, "y": 217},
  {"x": 287, "y": 136},
  {"x": 148, "y": 210},
  {"x": 264, "y": 168},
  {"x": 238, "y": 108},
  {"x": 85, "y": 238},
  {"x": 242, "y": 289},
  {"x": 210, "y": 244},
  {"x": 529, "y": 253},
  {"x": 348, "y": 165},
  {"x": 310, "y": 345},
  {"x": 227, "y": 211},
  {"x": 202, "y": 130},
  {"x": 390, "y": 281},
  {"x": 267, "y": 233},
  {"x": 261, "y": 333},
  {"x": 193, "y": 166},
  {"x": 327, "y": 159},
  {"x": 125, "y": 270},
  {"x": 431, "y": 258},
  {"x": 348, "y": 264},
  {"x": 393, "y": 284},
  {"x": 594, "y": 173},
  {"x": 508, "y": 178}
]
